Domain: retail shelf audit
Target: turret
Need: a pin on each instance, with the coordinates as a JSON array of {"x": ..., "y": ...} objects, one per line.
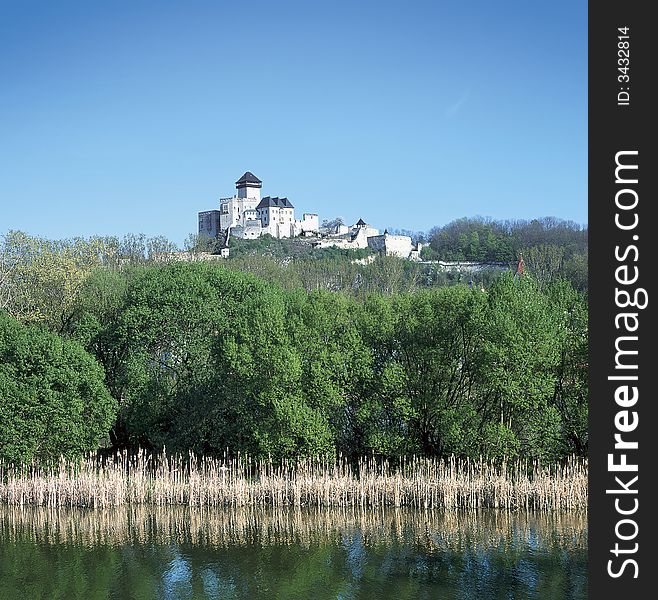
[{"x": 248, "y": 186}]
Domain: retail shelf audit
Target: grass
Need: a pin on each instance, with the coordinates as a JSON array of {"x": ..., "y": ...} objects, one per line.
[{"x": 163, "y": 480}]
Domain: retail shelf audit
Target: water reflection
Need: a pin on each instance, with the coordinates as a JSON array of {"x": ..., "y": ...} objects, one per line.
[{"x": 258, "y": 553}]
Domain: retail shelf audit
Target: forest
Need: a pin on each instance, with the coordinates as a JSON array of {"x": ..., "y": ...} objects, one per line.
[{"x": 104, "y": 347}]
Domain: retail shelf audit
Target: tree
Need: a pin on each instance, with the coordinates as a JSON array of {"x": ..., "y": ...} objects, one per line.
[
  {"x": 575, "y": 270},
  {"x": 158, "y": 246},
  {"x": 335, "y": 363},
  {"x": 544, "y": 261},
  {"x": 132, "y": 248},
  {"x": 389, "y": 274},
  {"x": 332, "y": 225},
  {"x": 52, "y": 397},
  {"x": 196, "y": 243},
  {"x": 570, "y": 398},
  {"x": 425, "y": 354},
  {"x": 525, "y": 332},
  {"x": 41, "y": 279},
  {"x": 200, "y": 358}
]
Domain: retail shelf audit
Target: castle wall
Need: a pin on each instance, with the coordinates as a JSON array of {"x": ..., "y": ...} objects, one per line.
[
  {"x": 251, "y": 230},
  {"x": 310, "y": 223},
  {"x": 360, "y": 238},
  {"x": 335, "y": 243},
  {"x": 232, "y": 210},
  {"x": 391, "y": 245},
  {"x": 209, "y": 223}
]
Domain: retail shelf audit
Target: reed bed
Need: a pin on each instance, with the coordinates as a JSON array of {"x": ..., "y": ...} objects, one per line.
[
  {"x": 166, "y": 525},
  {"x": 166, "y": 480}
]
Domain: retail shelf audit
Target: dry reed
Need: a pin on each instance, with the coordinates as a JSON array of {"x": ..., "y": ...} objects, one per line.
[
  {"x": 239, "y": 481},
  {"x": 435, "y": 530}
]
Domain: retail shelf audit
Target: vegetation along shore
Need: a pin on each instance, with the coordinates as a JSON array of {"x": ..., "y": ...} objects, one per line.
[
  {"x": 345, "y": 383},
  {"x": 236, "y": 482}
]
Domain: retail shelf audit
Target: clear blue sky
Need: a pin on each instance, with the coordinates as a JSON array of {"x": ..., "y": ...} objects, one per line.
[{"x": 121, "y": 117}]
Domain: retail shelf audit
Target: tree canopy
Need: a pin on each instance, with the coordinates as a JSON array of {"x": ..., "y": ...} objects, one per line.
[
  {"x": 53, "y": 400},
  {"x": 309, "y": 357}
]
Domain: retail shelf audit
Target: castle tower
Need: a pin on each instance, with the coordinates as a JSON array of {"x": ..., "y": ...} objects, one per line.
[{"x": 248, "y": 186}]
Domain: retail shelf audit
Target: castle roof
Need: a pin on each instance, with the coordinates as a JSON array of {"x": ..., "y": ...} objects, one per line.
[
  {"x": 361, "y": 223},
  {"x": 275, "y": 202},
  {"x": 248, "y": 178}
]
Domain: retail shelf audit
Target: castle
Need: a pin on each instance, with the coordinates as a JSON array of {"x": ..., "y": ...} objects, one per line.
[{"x": 248, "y": 216}]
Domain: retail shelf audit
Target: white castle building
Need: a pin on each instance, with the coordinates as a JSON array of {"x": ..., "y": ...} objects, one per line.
[
  {"x": 246, "y": 215},
  {"x": 349, "y": 238},
  {"x": 362, "y": 235}
]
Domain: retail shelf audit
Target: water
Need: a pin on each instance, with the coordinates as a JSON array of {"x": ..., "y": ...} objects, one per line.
[{"x": 178, "y": 553}]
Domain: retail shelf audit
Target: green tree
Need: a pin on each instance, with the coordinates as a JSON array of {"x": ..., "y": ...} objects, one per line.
[
  {"x": 474, "y": 247},
  {"x": 200, "y": 357},
  {"x": 525, "y": 332},
  {"x": 335, "y": 360},
  {"x": 196, "y": 243},
  {"x": 41, "y": 279},
  {"x": 575, "y": 270},
  {"x": 52, "y": 397},
  {"x": 544, "y": 261},
  {"x": 570, "y": 398},
  {"x": 426, "y": 366}
]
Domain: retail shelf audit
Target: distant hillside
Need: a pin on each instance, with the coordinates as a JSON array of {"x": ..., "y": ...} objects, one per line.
[
  {"x": 550, "y": 247},
  {"x": 487, "y": 240}
]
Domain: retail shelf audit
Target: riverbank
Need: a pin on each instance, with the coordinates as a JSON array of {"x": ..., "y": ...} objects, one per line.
[{"x": 238, "y": 481}]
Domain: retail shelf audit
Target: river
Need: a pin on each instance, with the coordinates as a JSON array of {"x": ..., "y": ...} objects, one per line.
[{"x": 254, "y": 553}]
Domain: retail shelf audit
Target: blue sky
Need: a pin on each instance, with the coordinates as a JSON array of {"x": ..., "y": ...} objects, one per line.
[{"x": 120, "y": 117}]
